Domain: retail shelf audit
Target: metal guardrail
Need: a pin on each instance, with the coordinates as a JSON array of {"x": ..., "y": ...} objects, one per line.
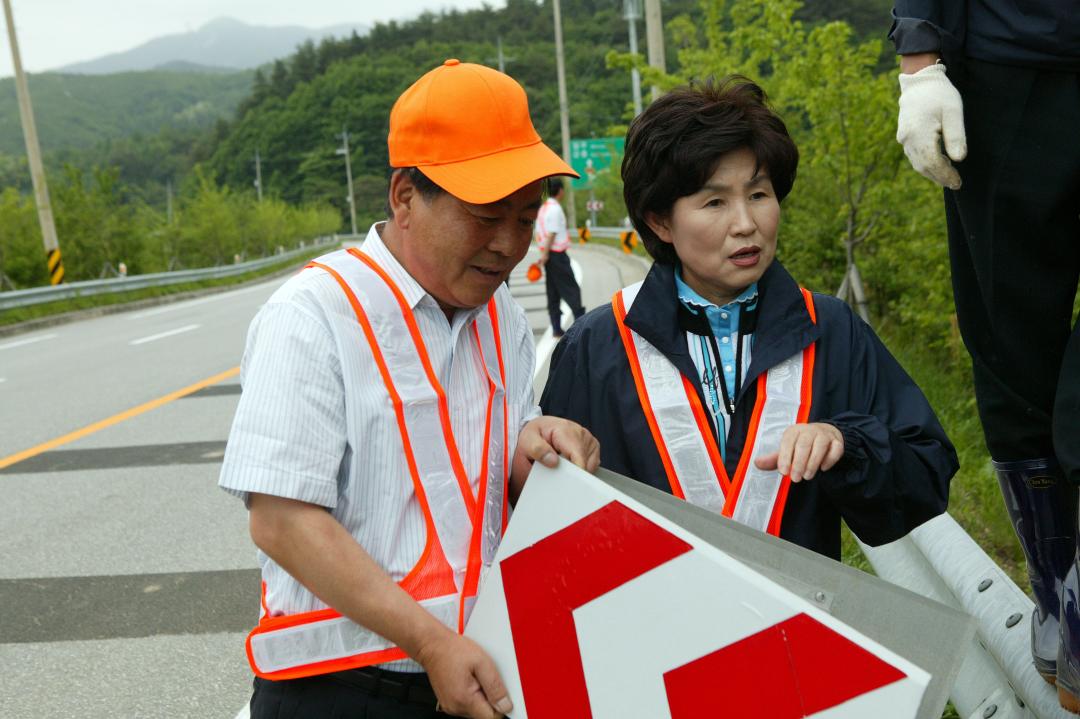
[
  {"x": 41, "y": 295},
  {"x": 613, "y": 233}
]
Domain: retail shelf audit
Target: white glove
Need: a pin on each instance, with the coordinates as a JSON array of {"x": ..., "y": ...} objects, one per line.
[{"x": 931, "y": 111}]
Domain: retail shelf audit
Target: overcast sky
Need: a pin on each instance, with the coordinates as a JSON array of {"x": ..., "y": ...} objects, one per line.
[{"x": 53, "y": 33}]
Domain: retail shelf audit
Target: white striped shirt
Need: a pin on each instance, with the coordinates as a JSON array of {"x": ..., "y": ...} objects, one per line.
[{"x": 310, "y": 427}]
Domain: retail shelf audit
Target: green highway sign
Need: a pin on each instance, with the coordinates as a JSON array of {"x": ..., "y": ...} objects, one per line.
[{"x": 594, "y": 156}]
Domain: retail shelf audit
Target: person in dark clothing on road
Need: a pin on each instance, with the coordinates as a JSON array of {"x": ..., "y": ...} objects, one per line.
[
  {"x": 554, "y": 239},
  {"x": 999, "y": 84},
  {"x": 718, "y": 378}
]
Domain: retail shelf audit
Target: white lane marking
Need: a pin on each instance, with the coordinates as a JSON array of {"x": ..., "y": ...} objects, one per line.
[
  {"x": 191, "y": 303},
  {"x": 28, "y": 341},
  {"x": 161, "y": 335}
]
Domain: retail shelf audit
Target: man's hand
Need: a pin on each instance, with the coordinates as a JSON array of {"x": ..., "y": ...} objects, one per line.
[
  {"x": 931, "y": 112},
  {"x": 545, "y": 438},
  {"x": 464, "y": 678},
  {"x": 544, "y": 254},
  {"x": 805, "y": 449}
]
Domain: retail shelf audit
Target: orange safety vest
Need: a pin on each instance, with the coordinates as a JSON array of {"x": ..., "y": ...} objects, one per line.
[
  {"x": 687, "y": 446},
  {"x": 463, "y": 529}
]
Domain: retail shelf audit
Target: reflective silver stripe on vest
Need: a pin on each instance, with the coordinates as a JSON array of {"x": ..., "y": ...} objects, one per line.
[
  {"x": 330, "y": 639},
  {"x": 496, "y": 469},
  {"x": 686, "y": 447},
  {"x": 757, "y": 496},
  {"x": 340, "y": 637}
]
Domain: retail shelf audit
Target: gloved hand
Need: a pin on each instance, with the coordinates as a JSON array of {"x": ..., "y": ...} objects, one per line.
[{"x": 931, "y": 111}]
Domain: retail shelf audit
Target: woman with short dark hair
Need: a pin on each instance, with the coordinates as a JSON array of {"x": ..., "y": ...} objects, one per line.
[{"x": 718, "y": 378}]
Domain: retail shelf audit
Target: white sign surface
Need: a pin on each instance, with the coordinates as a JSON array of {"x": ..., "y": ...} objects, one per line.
[{"x": 599, "y": 607}]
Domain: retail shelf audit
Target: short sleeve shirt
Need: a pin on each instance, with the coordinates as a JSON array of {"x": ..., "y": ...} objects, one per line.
[{"x": 552, "y": 219}]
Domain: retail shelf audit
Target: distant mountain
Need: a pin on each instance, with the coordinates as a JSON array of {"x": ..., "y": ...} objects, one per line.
[
  {"x": 79, "y": 111},
  {"x": 192, "y": 67},
  {"x": 221, "y": 43}
]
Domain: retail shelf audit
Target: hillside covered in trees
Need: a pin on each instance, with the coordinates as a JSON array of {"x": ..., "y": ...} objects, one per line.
[
  {"x": 81, "y": 111},
  {"x": 296, "y": 110}
]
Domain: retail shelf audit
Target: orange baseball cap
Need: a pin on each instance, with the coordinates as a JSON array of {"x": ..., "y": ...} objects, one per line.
[{"x": 467, "y": 127}]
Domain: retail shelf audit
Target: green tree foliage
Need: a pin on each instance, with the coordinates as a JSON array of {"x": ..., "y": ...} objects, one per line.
[
  {"x": 97, "y": 228},
  {"x": 22, "y": 256},
  {"x": 295, "y": 119}
]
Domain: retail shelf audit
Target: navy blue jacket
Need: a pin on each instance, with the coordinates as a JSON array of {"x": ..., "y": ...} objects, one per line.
[
  {"x": 1027, "y": 33},
  {"x": 897, "y": 463}
]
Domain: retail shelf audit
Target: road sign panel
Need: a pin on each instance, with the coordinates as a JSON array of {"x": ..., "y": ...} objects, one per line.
[
  {"x": 582, "y": 597},
  {"x": 593, "y": 157}
]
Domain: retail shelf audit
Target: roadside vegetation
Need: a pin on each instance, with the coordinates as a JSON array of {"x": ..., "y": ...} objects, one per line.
[{"x": 99, "y": 228}]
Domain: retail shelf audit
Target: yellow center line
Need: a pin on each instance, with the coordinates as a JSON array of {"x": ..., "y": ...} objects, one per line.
[{"x": 117, "y": 418}]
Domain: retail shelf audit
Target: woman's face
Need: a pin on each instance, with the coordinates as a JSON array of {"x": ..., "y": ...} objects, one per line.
[{"x": 725, "y": 233}]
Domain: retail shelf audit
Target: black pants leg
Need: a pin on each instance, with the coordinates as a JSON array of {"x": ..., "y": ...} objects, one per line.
[
  {"x": 1014, "y": 240},
  {"x": 324, "y": 698},
  {"x": 561, "y": 285}
]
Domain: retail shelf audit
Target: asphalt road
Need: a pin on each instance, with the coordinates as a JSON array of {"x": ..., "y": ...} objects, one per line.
[{"x": 127, "y": 578}]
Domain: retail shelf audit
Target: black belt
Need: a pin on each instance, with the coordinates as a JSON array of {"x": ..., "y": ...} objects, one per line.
[{"x": 410, "y": 687}]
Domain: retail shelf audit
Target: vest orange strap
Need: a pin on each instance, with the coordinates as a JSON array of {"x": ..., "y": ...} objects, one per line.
[
  {"x": 804, "y": 410},
  {"x": 643, "y": 395}
]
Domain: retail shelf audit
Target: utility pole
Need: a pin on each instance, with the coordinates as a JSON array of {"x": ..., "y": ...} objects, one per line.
[
  {"x": 33, "y": 155},
  {"x": 258, "y": 175},
  {"x": 564, "y": 112},
  {"x": 351, "y": 199},
  {"x": 500, "y": 58},
  {"x": 631, "y": 12},
  {"x": 168, "y": 202},
  {"x": 654, "y": 37}
]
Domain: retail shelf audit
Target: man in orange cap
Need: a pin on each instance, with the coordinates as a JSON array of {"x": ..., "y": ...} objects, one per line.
[{"x": 387, "y": 419}]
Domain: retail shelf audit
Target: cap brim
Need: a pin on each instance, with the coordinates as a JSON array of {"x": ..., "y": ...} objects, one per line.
[{"x": 492, "y": 177}]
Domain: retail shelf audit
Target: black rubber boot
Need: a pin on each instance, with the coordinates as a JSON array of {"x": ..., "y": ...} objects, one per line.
[
  {"x": 1068, "y": 659},
  {"x": 1042, "y": 507}
]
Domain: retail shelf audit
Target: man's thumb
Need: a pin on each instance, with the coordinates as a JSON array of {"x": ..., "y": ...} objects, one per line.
[{"x": 494, "y": 689}]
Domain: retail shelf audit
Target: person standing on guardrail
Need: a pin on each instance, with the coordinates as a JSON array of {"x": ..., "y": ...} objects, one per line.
[
  {"x": 718, "y": 378},
  {"x": 554, "y": 240},
  {"x": 387, "y": 419},
  {"x": 994, "y": 87}
]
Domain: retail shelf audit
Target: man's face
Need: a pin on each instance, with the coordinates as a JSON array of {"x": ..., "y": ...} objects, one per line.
[
  {"x": 460, "y": 252},
  {"x": 725, "y": 233}
]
